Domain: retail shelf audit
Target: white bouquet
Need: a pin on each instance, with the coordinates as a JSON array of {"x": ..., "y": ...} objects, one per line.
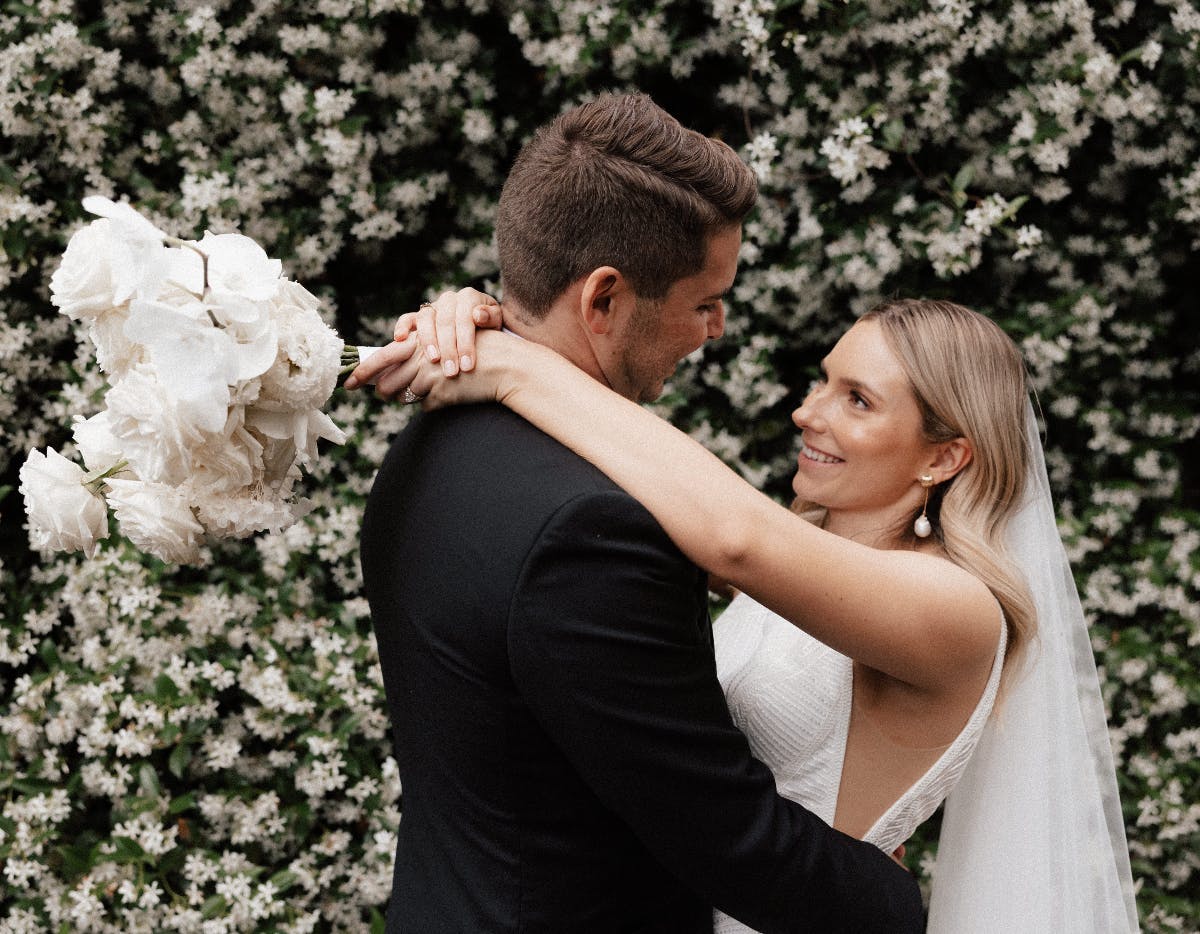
[{"x": 218, "y": 368}]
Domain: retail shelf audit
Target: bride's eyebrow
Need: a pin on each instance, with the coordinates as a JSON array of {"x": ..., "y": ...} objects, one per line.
[{"x": 851, "y": 383}]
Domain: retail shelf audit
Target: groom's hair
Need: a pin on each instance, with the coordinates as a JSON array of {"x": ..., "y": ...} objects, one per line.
[{"x": 615, "y": 182}]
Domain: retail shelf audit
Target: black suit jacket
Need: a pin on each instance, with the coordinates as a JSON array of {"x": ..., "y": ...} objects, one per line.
[{"x": 567, "y": 760}]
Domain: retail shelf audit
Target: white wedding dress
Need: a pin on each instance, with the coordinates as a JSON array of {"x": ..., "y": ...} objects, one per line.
[
  {"x": 791, "y": 695},
  {"x": 1033, "y": 836}
]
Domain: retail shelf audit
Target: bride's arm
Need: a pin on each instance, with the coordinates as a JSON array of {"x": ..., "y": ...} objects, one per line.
[{"x": 915, "y": 617}]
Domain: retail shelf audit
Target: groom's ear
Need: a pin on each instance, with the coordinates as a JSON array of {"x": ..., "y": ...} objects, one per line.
[{"x": 604, "y": 300}]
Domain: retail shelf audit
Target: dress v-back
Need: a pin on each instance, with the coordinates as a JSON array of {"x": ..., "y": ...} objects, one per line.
[{"x": 793, "y": 696}]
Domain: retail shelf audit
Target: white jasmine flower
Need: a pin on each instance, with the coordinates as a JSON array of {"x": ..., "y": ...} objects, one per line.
[
  {"x": 984, "y": 217},
  {"x": 1025, "y": 128},
  {"x": 850, "y": 153},
  {"x": 761, "y": 152},
  {"x": 1050, "y": 156},
  {"x": 1029, "y": 237},
  {"x": 477, "y": 126}
]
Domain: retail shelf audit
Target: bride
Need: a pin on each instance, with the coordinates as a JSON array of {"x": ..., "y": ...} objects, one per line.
[{"x": 909, "y": 633}]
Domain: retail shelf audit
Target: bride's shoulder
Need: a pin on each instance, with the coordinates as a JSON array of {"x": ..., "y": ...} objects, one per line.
[{"x": 964, "y": 606}]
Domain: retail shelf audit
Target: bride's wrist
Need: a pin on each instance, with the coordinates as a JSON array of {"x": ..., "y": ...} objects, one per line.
[{"x": 517, "y": 366}]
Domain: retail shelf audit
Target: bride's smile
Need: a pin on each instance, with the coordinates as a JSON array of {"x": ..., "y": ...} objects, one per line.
[{"x": 863, "y": 447}]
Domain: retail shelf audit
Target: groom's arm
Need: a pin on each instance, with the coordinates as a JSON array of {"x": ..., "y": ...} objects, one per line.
[{"x": 607, "y": 644}]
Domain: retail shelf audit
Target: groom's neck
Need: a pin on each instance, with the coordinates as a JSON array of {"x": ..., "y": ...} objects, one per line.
[{"x": 561, "y": 331}]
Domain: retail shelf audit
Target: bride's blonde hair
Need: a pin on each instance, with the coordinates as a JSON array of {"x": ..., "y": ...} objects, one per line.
[{"x": 969, "y": 382}]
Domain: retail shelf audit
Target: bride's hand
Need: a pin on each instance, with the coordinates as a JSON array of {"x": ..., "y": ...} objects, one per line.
[
  {"x": 443, "y": 331},
  {"x": 402, "y": 369},
  {"x": 446, "y": 327}
]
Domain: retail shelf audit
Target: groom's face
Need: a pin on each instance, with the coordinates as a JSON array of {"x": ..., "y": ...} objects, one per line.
[{"x": 661, "y": 333}]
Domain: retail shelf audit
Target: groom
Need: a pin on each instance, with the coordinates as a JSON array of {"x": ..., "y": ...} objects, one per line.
[{"x": 567, "y": 759}]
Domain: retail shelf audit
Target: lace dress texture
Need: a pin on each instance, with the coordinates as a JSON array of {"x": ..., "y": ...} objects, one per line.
[{"x": 792, "y": 697}]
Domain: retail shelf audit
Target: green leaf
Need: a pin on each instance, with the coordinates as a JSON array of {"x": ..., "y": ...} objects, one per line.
[
  {"x": 213, "y": 907},
  {"x": 377, "y": 922},
  {"x": 181, "y": 756},
  {"x": 48, "y": 653},
  {"x": 964, "y": 178},
  {"x": 893, "y": 134},
  {"x": 165, "y": 689},
  {"x": 1015, "y": 205},
  {"x": 33, "y": 786},
  {"x": 184, "y": 802},
  {"x": 284, "y": 880},
  {"x": 148, "y": 779},
  {"x": 128, "y": 850}
]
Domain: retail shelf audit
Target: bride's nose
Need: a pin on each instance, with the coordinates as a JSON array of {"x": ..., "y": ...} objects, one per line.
[{"x": 808, "y": 415}]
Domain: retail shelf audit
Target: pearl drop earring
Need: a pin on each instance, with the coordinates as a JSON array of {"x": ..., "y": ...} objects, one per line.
[{"x": 922, "y": 527}]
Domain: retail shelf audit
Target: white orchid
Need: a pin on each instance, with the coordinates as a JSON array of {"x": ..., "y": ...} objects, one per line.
[
  {"x": 196, "y": 361},
  {"x": 133, "y": 226},
  {"x": 302, "y": 428},
  {"x": 240, "y": 267}
]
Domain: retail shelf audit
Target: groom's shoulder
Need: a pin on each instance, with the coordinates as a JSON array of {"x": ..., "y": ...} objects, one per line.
[{"x": 515, "y": 451}]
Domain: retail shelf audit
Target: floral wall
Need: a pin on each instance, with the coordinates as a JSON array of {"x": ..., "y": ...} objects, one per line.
[{"x": 206, "y": 748}]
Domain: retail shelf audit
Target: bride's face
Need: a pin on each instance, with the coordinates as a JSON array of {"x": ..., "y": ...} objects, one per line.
[{"x": 860, "y": 425}]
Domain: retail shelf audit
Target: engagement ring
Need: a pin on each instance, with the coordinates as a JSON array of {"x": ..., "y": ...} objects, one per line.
[{"x": 410, "y": 397}]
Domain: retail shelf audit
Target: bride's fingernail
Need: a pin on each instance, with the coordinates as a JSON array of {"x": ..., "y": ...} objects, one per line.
[
  {"x": 467, "y": 362},
  {"x": 432, "y": 353},
  {"x": 450, "y": 367}
]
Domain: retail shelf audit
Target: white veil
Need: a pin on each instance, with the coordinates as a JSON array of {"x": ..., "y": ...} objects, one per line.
[{"x": 1033, "y": 841}]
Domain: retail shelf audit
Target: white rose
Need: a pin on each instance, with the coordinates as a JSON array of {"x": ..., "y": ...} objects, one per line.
[
  {"x": 157, "y": 519},
  {"x": 155, "y": 434},
  {"x": 229, "y": 462},
  {"x": 116, "y": 354},
  {"x": 64, "y": 515},
  {"x": 94, "y": 437},
  {"x": 96, "y": 273},
  {"x": 108, "y": 261},
  {"x": 305, "y": 372}
]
